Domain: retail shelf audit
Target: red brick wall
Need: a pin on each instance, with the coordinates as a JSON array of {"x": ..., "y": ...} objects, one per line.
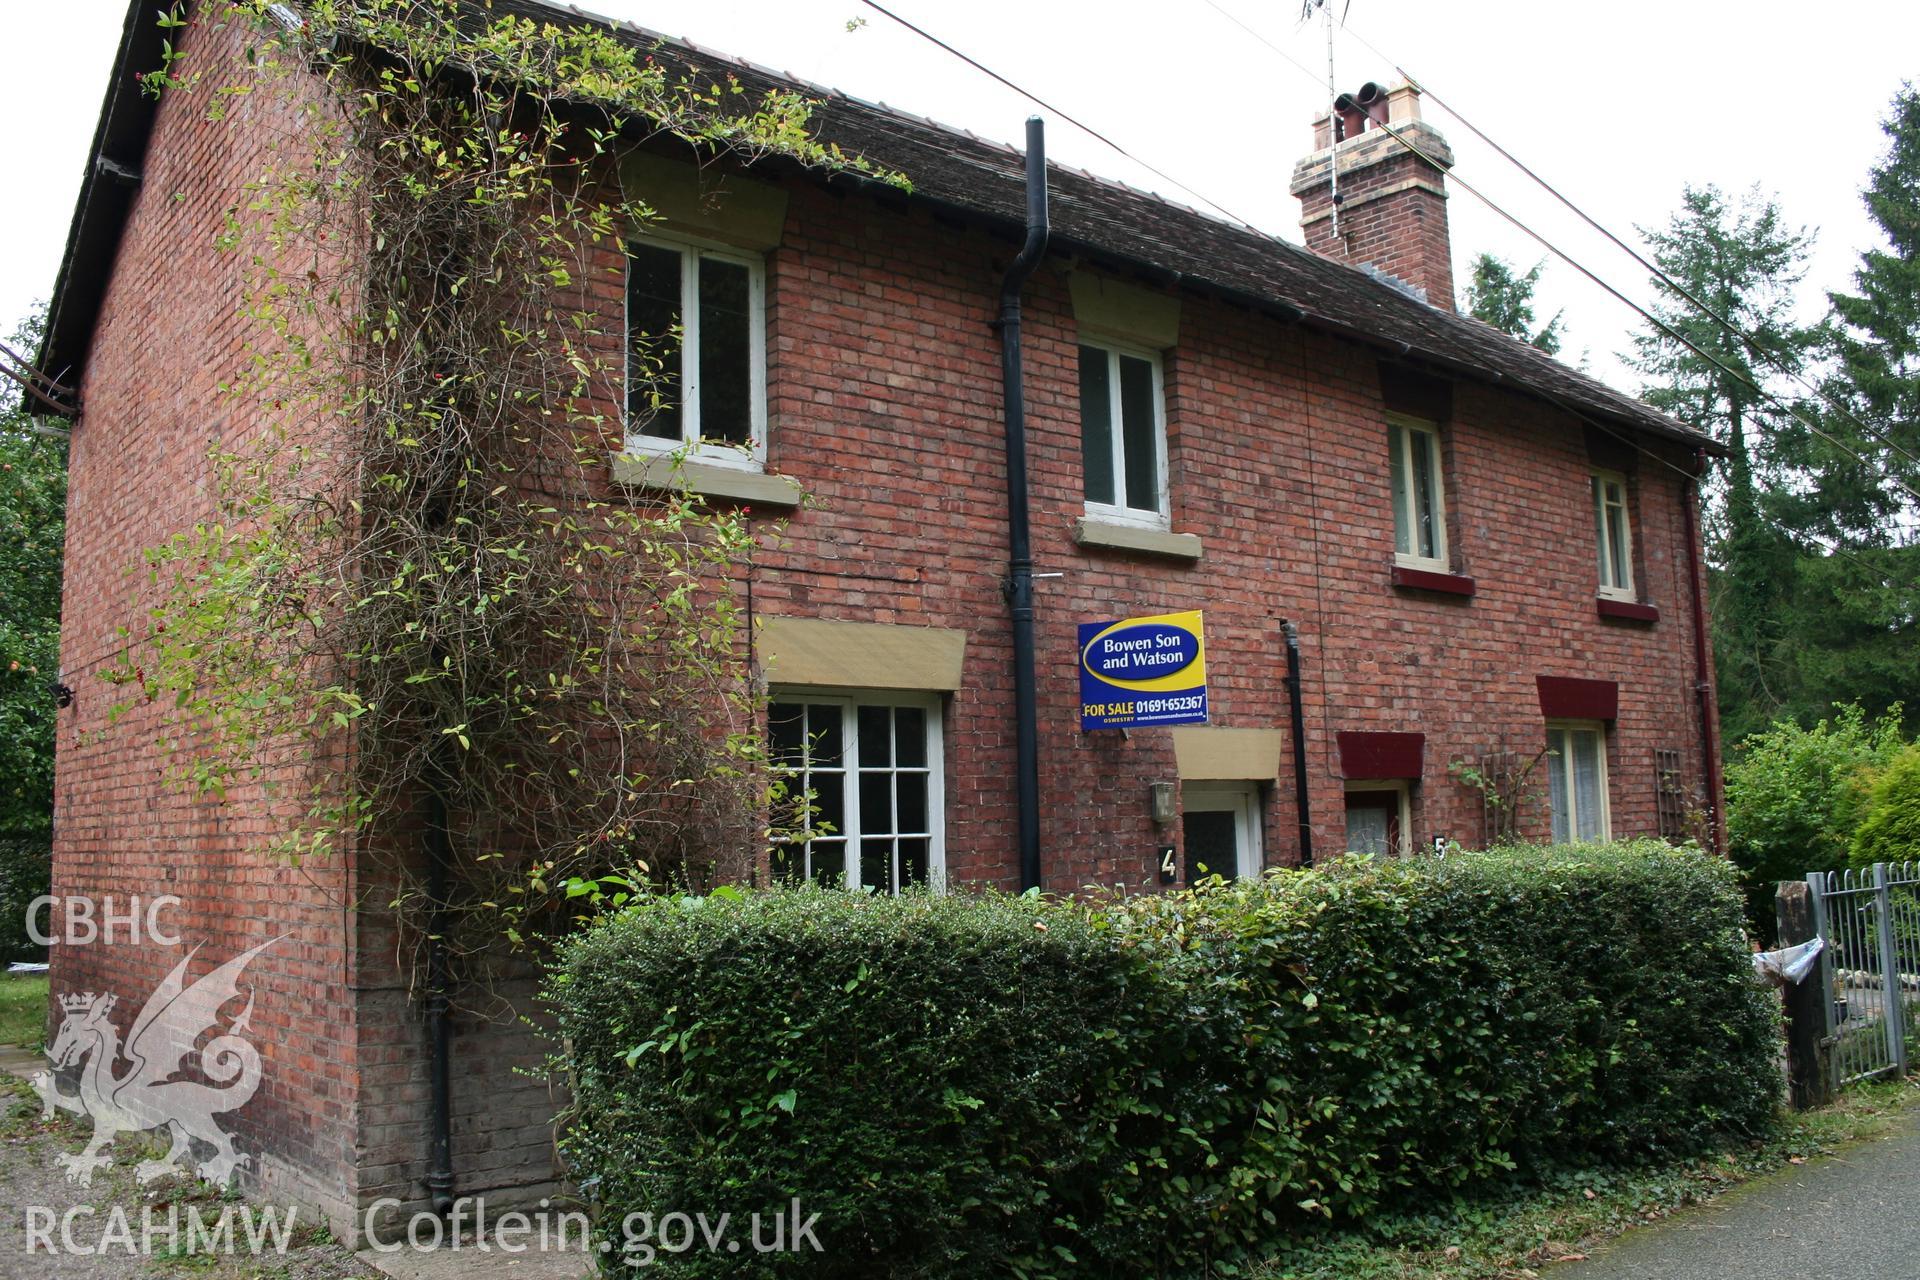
[
  {"x": 169, "y": 333},
  {"x": 341, "y": 1114},
  {"x": 1403, "y": 232},
  {"x": 885, "y": 405}
]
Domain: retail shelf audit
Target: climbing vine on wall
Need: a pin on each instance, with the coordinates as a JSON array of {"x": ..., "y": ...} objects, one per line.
[{"x": 419, "y": 620}]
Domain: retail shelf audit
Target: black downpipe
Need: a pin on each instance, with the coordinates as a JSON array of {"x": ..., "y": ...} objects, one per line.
[
  {"x": 1019, "y": 584},
  {"x": 439, "y": 1018},
  {"x": 1299, "y": 724}
]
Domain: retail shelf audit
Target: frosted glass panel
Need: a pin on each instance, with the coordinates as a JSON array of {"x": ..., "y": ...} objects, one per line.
[{"x": 1367, "y": 831}]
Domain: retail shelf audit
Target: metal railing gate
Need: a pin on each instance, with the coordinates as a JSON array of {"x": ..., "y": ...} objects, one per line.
[{"x": 1870, "y": 967}]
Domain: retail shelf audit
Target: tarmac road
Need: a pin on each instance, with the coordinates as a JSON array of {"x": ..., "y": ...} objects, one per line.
[{"x": 1854, "y": 1216}]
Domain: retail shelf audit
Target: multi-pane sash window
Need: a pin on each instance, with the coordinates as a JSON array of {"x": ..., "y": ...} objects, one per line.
[
  {"x": 1419, "y": 496},
  {"x": 1123, "y": 444},
  {"x": 696, "y": 360},
  {"x": 864, "y": 792},
  {"x": 1576, "y": 767},
  {"x": 1615, "y": 536}
]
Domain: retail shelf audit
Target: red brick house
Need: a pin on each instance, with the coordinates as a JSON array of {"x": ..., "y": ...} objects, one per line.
[{"x": 1482, "y": 554}]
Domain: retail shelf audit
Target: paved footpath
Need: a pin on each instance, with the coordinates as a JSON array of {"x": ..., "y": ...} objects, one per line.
[{"x": 1855, "y": 1216}]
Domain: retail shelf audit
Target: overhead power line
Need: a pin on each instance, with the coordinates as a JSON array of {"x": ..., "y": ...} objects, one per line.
[
  {"x": 1654, "y": 320},
  {"x": 1285, "y": 56},
  {"x": 1750, "y": 342},
  {"x": 1590, "y": 275},
  {"x": 1577, "y": 265},
  {"x": 1042, "y": 103}
]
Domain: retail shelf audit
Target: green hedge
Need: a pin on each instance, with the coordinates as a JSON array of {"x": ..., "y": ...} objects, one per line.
[{"x": 982, "y": 1085}]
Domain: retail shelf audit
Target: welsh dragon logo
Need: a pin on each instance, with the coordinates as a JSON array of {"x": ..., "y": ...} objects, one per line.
[{"x": 148, "y": 1095}]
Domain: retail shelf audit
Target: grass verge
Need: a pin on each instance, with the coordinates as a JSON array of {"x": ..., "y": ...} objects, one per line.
[
  {"x": 23, "y": 1009},
  {"x": 1512, "y": 1233}
]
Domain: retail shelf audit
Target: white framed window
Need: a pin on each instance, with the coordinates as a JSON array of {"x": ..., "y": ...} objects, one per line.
[
  {"x": 696, "y": 352},
  {"x": 1379, "y": 818},
  {"x": 866, "y": 790},
  {"x": 1220, "y": 830},
  {"x": 1613, "y": 531},
  {"x": 1576, "y": 766},
  {"x": 1123, "y": 433},
  {"x": 1419, "y": 494}
]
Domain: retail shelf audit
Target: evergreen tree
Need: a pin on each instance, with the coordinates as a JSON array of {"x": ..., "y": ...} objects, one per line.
[
  {"x": 1744, "y": 263},
  {"x": 1503, "y": 298},
  {"x": 1876, "y": 347},
  {"x": 1856, "y": 614}
]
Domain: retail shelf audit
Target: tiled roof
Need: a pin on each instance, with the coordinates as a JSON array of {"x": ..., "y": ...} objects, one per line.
[
  {"x": 966, "y": 175},
  {"x": 1106, "y": 219}
]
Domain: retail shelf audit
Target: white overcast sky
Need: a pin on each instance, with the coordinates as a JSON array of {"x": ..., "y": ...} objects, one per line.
[{"x": 1616, "y": 103}]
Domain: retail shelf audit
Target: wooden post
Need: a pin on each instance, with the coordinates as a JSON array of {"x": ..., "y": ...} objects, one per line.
[{"x": 1809, "y": 1070}]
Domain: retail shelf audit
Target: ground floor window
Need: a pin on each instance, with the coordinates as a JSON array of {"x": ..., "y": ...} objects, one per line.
[
  {"x": 1220, "y": 829},
  {"x": 1576, "y": 766},
  {"x": 1377, "y": 818},
  {"x": 864, "y": 789}
]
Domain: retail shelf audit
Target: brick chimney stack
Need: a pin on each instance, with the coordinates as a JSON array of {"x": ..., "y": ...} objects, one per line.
[{"x": 1393, "y": 204}]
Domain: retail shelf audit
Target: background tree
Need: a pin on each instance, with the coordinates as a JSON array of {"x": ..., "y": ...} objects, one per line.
[
  {"x": 1889, "y": 828},
  {"x": 1503, "y": 298},
  {"x": 1856, "y": 614},
  {"x": 1876, "y": 347},
  {"x": 33, "y": 501},
  {"x": 1744, "y": 262},
  {"x": 1796, "y": 797}
]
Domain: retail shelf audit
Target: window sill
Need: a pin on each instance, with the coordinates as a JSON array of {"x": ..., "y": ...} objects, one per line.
[
  {"x": 1089, "y": 531},
  {"x": 1626, "y": 610},
  {"x": 728, "y": 484},
  {"x": 1451, "y": 584}
]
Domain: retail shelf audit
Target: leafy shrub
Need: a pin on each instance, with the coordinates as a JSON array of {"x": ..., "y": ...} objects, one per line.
[
  {"x": 1155, "y": 1086},
  {"x": 1795, "y": 798},
  {"x": 26, "y": 873},
  {"x": 925, "y": 1073},
  {"x": 1889, "y": 828}
]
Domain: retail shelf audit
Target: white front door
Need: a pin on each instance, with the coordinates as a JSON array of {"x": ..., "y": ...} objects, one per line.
[{"x": 1220, "y": 828}]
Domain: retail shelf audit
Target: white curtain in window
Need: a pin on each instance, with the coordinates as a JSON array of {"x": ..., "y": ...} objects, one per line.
[
  {"x": 1588, "y": 806},
  {"x": 1367, "y": 832}
]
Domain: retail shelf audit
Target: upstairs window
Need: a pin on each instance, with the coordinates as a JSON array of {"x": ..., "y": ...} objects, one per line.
[
  {"x": 1614, "y": 534},
  {"x": 1123, "y": 439},
  {"x": 1577, "y": 781},
  {"x": 864, "y": 791},
  {"x": 696, "y": 353},
  {"x": 1419, "y": 496}
]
